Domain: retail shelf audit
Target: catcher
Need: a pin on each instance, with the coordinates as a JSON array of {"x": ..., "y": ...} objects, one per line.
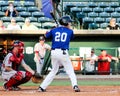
[{"x": 10, "y": 68}]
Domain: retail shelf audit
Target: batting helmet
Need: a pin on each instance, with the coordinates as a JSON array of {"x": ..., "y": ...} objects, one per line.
[
  {"x": 65, "y": 20},
  {"x": 41, "y": 38}
]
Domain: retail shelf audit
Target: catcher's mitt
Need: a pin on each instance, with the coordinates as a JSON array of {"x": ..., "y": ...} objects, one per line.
[{"x": 37, "y": 78}]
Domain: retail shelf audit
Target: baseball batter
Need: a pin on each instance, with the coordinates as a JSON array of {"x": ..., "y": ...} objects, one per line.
[
  {"x": 40, "y": 50},
  {"x": 61, "y": 37},
  {"x": 10, "y": 68}
]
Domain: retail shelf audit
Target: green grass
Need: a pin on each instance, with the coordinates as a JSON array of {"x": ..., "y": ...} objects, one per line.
[{"x": 80, "y": 82}]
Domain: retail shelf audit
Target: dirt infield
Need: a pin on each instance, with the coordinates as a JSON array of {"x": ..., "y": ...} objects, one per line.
[{"x": 64, "y": 91}]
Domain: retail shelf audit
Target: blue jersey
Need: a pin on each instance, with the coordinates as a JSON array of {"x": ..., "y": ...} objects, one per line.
[{"x": 61, "y": 37}]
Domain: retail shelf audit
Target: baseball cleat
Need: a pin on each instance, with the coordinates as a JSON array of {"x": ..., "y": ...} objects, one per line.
[
  {"x": 76, "y": 88},
  {"x": 40, "y": 89},
  {"x": 15, "y": 88}
]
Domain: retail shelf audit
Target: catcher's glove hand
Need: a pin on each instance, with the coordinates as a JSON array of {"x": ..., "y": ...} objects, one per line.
[{"x": 37, "y": 78}]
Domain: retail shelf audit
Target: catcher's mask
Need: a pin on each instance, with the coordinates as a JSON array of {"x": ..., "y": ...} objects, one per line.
[{"x": 65, "y": 20}]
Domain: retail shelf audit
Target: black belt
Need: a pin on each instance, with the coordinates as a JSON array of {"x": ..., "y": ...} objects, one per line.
[
  {"x": 64, "y": 53},
  {"x": 58, "y": 48}
]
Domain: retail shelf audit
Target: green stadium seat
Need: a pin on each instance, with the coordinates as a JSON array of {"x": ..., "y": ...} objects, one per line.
[
  {"x": 17, "y": 3},
  {"x": 29, "y": 4},
  {"x": 92, "y": 15},
  {"x": 87, "y": 20},
  {"x": 99, "y": 20},
  {"x": 81, "y": 5},
  {"x": 38, "y": 14},
  {"x": 6, "y": 24},
  {"x": 86, "y": 10},
  {"x": 92, "y": 4},
  {"x": 115, "y": 15},
  {"x": 93, "y": 26},
  {"x": 104, "y": 25},
  {"x": 109, "y": 9},
  {"x": 2, "y": 14},
  {"x": 4, "y": 8},
  {"x": 36, "y": 24},
  {"x": 118, "y": 20},
  {"x": 43, "y": 20},
  {"x": 48, "y": 25},
  {"x": 20, "y": 23},
  {"x": 3, "y": 3},
  {"x": 32, "y": 9},
  {"x": 68, "y": 7},
  {"x": 107, "y": 20},
  {"x": 103, "y": 4},
  {"x": 6, "y": 19},
  {"x": 104, "y": 15},
  {"x": 25, "y": 14},
  {"x": 98, "y": 10},
  {"x": 117, "y": 9},
  {"x": 32, "y": 19},
  {"x": 21, "y": 8},
  {"x": 114, "y": 4},
  {"x": 75, "y": 10},
  {"x": 19, "y": 19}
]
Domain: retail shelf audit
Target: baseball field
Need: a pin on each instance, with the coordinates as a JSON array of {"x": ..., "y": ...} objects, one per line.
[{"x": 94, "y": 85}]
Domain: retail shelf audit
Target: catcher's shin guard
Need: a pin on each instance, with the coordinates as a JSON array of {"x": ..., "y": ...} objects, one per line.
[
  {"x": 28, "y": 76},
  {"x": 14, "y": 80}
]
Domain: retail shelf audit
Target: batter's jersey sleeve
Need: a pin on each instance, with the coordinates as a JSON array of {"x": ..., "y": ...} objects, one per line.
[{"x": 36, "y": 47}]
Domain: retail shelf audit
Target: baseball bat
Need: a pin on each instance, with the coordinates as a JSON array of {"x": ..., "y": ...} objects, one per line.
[{"x": 51, "y": 13}]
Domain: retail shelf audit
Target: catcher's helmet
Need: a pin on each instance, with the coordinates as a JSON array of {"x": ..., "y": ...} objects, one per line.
[
  {"x": 65, "y": 20},
  {"x": 18, "y": 43}
]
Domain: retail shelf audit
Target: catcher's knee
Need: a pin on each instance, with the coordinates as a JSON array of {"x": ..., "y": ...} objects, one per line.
[
  {"x": 28, "y": 75},
  {"x": 18, "y": 76}
]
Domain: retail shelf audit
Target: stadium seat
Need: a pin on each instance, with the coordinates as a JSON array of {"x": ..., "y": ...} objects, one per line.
[
  {"x": 115, "y": 15},
  {"x": 2, "y": 14},
  {"x": 25, "y": 14},
  {"x": 117, "y": 9},
  {"x": 103, "y": 4},
  {"x": 6, "y": 19},
  {"x": 17, "y": 3},
  {"x": 20, "y": 23},
  {"x": 86, "y": 10},
  {"x": 99, "y": 20},
  {"x": 93, "y": 26},
  {"x": 48, "y": 25},
  {"x": 3, "y": 3},
  {"x": 118, "y": 20},
  {"x": 6, "y": 24},
  {"x": 104, "y": 15},
  {"x": 32, "y": 9},
  {"x": 114, "y": 4},
  {"x": 104, "y": 25},
  {"x": 21, "y": 8},
  {"x": 80, "y": 15},
  {"x": 97, "y": 10},
  {"x": 87, "y": 20},
  {"x": 75, "y": 10},
  {"x": 81, "y": 5},
  {"x": 19, "y": 19},
  {"x": 28, "y": 4},
  {"x": 109, "y": 9},
  {"x": 92, "y": 14},
  {"x": 36, "y": 24},
  {"x": 4, "y": 8},
  {"x": 92, "y": 4},
  {"x": 43, "y": 20},
  {"x": 68, "y": 7},
  {"x": 38, "y": 14},
  {"x": 107, "y": 20},
  {"x": 32, "y": 19}
]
